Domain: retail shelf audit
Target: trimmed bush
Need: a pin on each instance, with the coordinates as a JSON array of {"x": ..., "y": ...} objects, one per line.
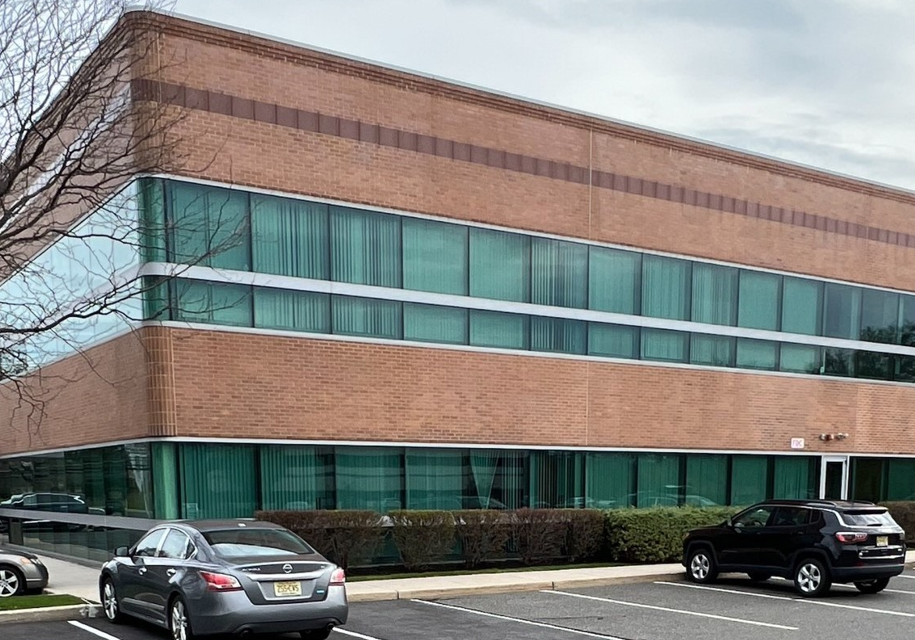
[
  {"x": 345, "y": 537},
  {"x": 538, "y": 535},
  {"x": 903, "y": 513},
  {"x": 656, "y": 534},
  {"x": 482, "y": 533},
  {"x": 584, "y": 534},
  {"x": 423, "y": 537}
]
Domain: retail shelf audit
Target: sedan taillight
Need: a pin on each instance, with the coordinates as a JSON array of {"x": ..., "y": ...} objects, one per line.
[
  {"x": 338, "y": 577},
  {"x": 851, "y": 538},
  {"x": 220, "y": 582}
]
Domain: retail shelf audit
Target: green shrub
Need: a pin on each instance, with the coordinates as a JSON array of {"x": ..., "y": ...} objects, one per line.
[
  {"x": 656, "y": 534},
  {"x": 584, "y": 533},
  {"x": 422, "y": 537},
  {"x": 345, "y": 537},
  {"x": 482, "y": 533},
  {"x": 903, "y": 513},
  {"x": 538, "y": 535}
]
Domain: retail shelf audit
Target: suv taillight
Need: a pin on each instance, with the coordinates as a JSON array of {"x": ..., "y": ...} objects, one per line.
[
  {"x": 851, "y": 538},
  {"x": 220, "y": 582},
  {"x": 338, "y": 577}
]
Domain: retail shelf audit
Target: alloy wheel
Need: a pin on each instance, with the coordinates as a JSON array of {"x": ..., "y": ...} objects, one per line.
[
  {"x": 109, "y": 601},
  {"x": 700, "y": 566},
  {"x": 9, "y": 583},
  {"x": 178, "y": 621},
  {"x": 809, "y": 578}
]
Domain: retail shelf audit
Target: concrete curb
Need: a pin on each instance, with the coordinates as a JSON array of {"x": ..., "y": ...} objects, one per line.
[
  {"x": 383, "y": 593},
  {"x": 51, "y": 614}
]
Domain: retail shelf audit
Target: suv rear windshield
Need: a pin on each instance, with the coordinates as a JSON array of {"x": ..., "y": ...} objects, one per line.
[
  {"x": 233, "y": 543},
  {"x": 867, "y": 518}
]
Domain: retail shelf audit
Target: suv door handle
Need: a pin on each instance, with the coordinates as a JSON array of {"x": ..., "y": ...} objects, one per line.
[
  {"x": 171, "y": 572},
  {"x": 141, "y": 570}
]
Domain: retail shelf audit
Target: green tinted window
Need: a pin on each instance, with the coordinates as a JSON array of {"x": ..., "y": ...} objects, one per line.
[
  {"x": 559, "y": 273},
  {"x": 907, "y": 320},
  {"x": 295, "y": 477},
  {"x": 757, "y": 354},
  {"x": 799, "y": 358},
  {"x": 879, "y": 315},
  {"x": 666, "y": 346},
  {"x": 665, "y": 287},
  {"x": 558, "y": 334},
  {"x": 365, "y": 247},
  {"x": 842, "y": 311},
  {"x": 434, "y": 479},
  {"x": 291, "y": 310},
  {"x": 500, "y": 265},
  {"x": 217, "y": 481},
  {"x": 610, "y": 480},
  {"x": 716, "y": 351},
  {"x": 614, "y": 280},
  {"x": 494, "y": 329},
  {"x": 290, "y": 237},
  {"x": 794, "y": 478},
  {"x": 839, "y": 362},
  {"x": 428, "y": 323},
  {"x": 658, "y": 480},
  {"x": 759, "y": 300},
  {"x": 706, "y": 480},
  {"x": 875, "y": 366},
  {"x": 199, "y": 301},
  {"x": 209, "y": 226},
  {"x": 435, "y": 256},
  {"x": 749, "y": 479},
  {"x": 369, "y": 478},
  {"x": 801, "y": 304},
  {"x": 365, "y": 317},
  {"x": 900, "y": 479},
  {"x": 151, "y": 201},
  {"x": 714, "y": 294},
  {"x": 614, "y": 341}
]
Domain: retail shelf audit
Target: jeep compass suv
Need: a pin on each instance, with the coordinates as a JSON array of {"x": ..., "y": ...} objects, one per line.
[{"x": 812, "y": 542}]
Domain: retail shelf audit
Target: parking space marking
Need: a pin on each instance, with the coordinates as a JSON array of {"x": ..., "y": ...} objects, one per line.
[
  {"x": 354, "y": 634},
  {"x": 639, "y": 605},
  {"x": 853, "y": 588},
  {"x": 543, "y": 625},
  {"x": 821, "y": 603},
  {"x": 86, "y": 627}
]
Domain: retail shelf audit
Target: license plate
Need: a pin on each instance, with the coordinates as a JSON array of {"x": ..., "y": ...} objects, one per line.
[
  {"x": 883, "y": 541},
  {"x": 287, "y": 589}
]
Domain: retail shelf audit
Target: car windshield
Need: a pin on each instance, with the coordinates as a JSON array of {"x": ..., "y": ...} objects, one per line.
[
  {"x": 230, "y": 543},
  {"x": 867, "y": 518}
]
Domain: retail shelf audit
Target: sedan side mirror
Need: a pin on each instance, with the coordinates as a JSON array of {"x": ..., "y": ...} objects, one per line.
[{"x": 121, "y": 552}]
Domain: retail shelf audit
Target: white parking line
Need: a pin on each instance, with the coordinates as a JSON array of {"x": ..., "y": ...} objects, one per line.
[
  {"x": 853, "y": 588},
  {"x": 86, "y": 627},
  {"x": 354, "y": 634},
  {"x": 543, "y": 625},
  {"x": 681, "y": 611},
  {"x": 906, "y": 577},
  {"x": 821, "y": 603}
]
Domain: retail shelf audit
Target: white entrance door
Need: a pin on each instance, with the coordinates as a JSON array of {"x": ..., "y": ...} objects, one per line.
[{"x": 834, "y": 478}]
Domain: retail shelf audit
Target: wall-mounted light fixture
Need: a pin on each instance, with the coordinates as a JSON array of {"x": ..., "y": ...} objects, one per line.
[{"x": 825, "y": 437}]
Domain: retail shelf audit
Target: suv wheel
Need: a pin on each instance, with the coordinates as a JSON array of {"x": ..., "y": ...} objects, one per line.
[
  {"x": 811, "y": 578},
  {"x": 872, "y": 586},
  {"x": 701, "y": 566}
]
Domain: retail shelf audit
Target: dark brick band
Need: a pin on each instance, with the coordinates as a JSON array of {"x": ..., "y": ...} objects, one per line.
[{"x": 246, "y": 108}]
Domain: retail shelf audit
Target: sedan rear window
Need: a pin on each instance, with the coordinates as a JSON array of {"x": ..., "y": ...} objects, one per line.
[
  {"x": 867, "y": 518},
  {"x": 230, "y": 543}
]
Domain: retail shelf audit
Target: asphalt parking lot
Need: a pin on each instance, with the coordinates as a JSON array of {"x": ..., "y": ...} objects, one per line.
[{"x": 732, "y": 608}]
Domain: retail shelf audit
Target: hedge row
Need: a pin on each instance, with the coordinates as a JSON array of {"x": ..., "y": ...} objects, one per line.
[{"x": 475, "y": 537}]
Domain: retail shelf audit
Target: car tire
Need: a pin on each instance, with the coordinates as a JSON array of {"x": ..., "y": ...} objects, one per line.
[
  {"x": 872, "y": 586},
  {"x": 108, "y": 596},
  {"x": 12, "y": 582},
  {"x": 179, "y": 623},
  {"x": 315, "y": 634},
  {"x": 757, "y": 576},
  {"x": 811, "y": 578},
  {"x": 701, "y": 566}
]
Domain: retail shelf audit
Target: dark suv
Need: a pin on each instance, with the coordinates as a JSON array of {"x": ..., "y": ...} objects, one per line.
[{"x": 813, "y": 542}]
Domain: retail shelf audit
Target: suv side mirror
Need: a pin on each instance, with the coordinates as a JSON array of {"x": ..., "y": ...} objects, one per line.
[
  {"x": 121, "y": 552},
  {"x": 729, "y": 523}
]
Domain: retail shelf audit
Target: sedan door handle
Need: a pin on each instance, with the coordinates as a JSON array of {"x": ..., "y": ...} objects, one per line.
[{"x": 171, "y": 572}]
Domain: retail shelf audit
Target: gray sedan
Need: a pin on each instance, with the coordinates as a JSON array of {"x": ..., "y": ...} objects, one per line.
[
  {"x": 20, "y": 571},
  {"x": 225, "y": 577}
]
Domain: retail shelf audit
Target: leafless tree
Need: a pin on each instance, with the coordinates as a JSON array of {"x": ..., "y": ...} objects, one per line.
[{"x": 76, "y": 127}]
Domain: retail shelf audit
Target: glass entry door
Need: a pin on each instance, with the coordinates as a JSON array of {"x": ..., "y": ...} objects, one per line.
[{"x": 834, "y": 478}]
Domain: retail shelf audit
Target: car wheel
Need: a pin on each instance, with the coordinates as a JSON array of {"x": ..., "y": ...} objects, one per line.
[
  {"x": 701, "y": 566},
  {"x": 12, "y": 582},
  {"x": 872, "y": 586},
  {"x": 110, "y": 604},
  {"x": 811, "y": 578},
  {"x": 315, "y": 634},
  {"x": 759, "y": 577},
  {"x": 178, "y": 621}
]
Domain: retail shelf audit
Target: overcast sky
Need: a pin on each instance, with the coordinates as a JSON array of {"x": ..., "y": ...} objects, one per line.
[{"x": 822, "y": 82}]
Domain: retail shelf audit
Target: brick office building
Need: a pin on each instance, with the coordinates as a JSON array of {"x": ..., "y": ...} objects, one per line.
[{"x": 447, "y": 297}]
